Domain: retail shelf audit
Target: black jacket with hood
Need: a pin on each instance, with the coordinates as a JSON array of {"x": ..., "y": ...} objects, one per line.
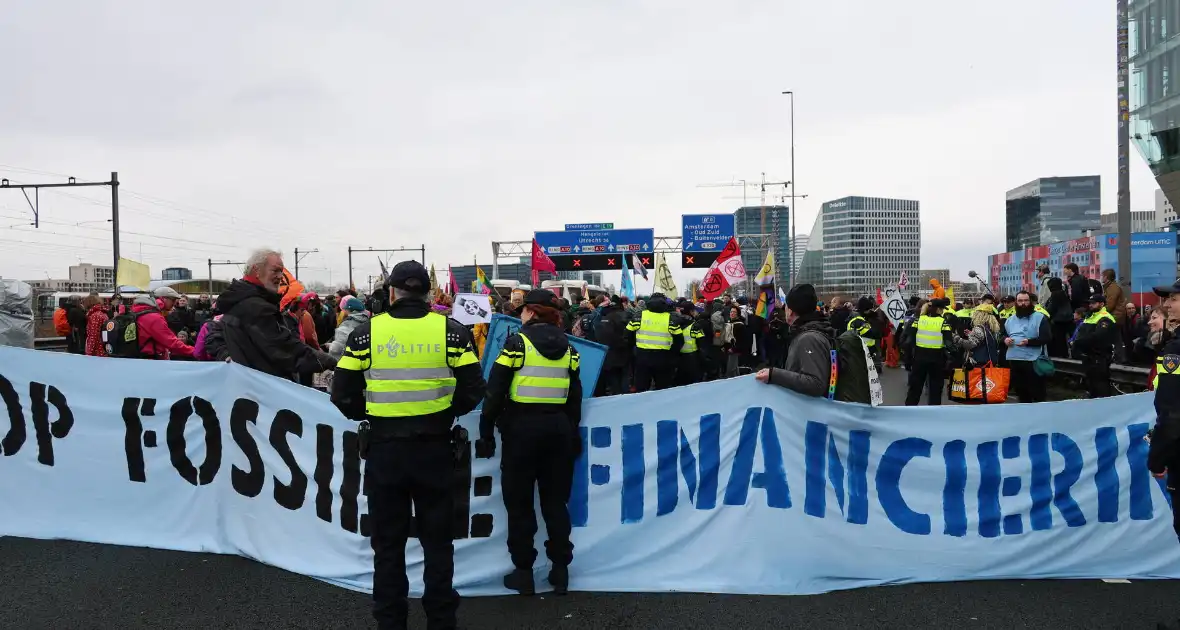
[
  {"x": 809, "y": 361},
  {"x": 611, "y": 331},
  {"x": 509, "y": 416},
  {"x": 254, "y": 334}
]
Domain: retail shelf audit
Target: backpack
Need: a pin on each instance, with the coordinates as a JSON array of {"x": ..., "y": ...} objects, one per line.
[{"x": 120, "y": 335}]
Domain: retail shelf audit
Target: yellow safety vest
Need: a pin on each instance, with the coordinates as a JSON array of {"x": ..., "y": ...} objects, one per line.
[
  {"x": 409, "y": 372},
  {"x": 862, "y": 329},
  {"x": 1165, "y": 364},
  {"x": 655, "y": 332},
  {"x": 1008, "y": 312},
  {"x": 965, "y": 313},
  {"x": 930, "y": 331},
  {"x": 536, "y": 379},
  {"x": 690, "y": 340},
  {"x": 1094, "y": 318},
  {"x": 1040, "y": 309}
]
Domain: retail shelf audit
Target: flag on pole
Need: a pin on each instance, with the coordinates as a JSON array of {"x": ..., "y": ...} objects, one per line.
[
  {"x": 950, "y": 297},
  {"x": 638, "y": 266},
  {"x": 628, "y": 286},
  {"x": 541, "y": 262},
  {"x": 696, "y": 293},
  {"x": 433, "y": 280},
  {"x": 133, "y": 274},
  {"x": 384, "y": 271},
  {"x": 481, "y": 284},
  {"x": 903, "y": 281},
  {"x": 765, "y": 282},
  {"x": 665, "y": 283},
  {"x": 725, "y": 272},
  {"x": 452, "y": 284}
]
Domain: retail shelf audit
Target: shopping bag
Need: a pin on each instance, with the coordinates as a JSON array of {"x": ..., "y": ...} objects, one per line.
[{"x": 985, "y": 384}]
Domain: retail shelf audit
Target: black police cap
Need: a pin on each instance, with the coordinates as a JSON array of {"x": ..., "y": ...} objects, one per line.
[
  {"x": 1168, "y": 291},
  {"x": 409, "y": 275},
  {"x": 540, "y": 297},
  {"x": 940, "y": 303}
]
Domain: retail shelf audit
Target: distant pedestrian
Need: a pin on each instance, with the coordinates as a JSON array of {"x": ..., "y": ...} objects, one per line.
[{"x": 96, "y": 319}]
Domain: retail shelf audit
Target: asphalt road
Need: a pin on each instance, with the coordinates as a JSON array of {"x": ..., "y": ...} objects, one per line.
[{"x": 60, "y": 584}]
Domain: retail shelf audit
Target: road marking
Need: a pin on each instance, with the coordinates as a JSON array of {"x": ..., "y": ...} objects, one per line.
[{"x": 1116, "y": 581}]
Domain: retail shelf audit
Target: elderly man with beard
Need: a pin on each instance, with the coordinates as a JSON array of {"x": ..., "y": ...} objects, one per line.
[
  {"x": 1026, "y": 335},
  {"x": 253, "y": 333}
]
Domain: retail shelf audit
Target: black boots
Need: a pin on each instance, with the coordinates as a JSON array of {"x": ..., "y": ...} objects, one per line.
[
  {"x": 521, "y": 581},
  {"x": 559, "y": 577}
]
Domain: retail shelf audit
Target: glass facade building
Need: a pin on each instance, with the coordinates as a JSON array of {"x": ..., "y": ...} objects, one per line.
[
  {"x": 1052, "y": 210},
  {"x": 868, "y": 242},
  {"x": 1154, "y": 96},
  {"x": 752, "y": 221}
]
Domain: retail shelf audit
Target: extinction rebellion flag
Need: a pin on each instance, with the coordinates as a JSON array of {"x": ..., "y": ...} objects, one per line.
[{"x": 725, "y": 272}]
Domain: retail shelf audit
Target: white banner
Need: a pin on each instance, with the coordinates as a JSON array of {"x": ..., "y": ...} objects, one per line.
[
  {"x": 472, "y": 308},
  {"x": 730, "y": 486},
  {"x": 893, "y": 304}
]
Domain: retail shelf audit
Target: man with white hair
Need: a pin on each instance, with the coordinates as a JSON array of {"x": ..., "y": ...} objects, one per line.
[{"x": 253, "y": 331}]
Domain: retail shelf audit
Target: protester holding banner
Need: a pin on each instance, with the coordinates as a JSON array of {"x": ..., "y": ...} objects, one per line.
[
  {"x": 407, "y": 374},
  {"x": 932, "y": 339},
  {"x": 535, "y": 398},
  {"x": 809, "y": 369},
  {"x": 253, "y": 328}
]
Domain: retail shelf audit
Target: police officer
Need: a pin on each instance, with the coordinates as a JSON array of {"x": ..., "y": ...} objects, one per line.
[
  {"x": 535, "y": 398},
  {"x": 690, "y": 361},
  {"x": 658, "y": 339},
  {"x": 931, "y": 340},
  {"x": 1095, "y": 344},
  {"x": 407, "y": 374},
  {"x": 1164, "y": 454}
]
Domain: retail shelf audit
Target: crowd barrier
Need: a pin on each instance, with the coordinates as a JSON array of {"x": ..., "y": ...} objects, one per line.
[{"x": 729, "y": 487}]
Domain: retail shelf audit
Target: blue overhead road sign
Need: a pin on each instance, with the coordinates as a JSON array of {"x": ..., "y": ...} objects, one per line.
[
  {"x": 706, "y": 232},
  {"x": 575, "y": 243}
]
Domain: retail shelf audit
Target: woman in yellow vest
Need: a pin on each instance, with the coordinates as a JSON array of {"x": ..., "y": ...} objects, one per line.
[{"x": 535, "y": 398}]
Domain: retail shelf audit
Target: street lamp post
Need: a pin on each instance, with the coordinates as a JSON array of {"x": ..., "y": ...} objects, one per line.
[{"x": 791, "y": 258}]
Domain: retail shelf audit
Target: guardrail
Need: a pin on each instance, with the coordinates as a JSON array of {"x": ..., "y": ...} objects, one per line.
[
  {"x": 1125, "y": 378},
  {"x": 52, "y": 344}
]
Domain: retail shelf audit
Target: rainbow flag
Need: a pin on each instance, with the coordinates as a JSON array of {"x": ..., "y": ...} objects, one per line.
[{"x": 481, "y": 284}]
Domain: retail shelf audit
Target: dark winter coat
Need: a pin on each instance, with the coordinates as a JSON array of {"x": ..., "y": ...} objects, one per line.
[
  {"x": 255, "y": 334},
  {"x": 1079, "y": 291},
  {"x": 809, "y": 363},
  {"x": 611, "y": 331}
]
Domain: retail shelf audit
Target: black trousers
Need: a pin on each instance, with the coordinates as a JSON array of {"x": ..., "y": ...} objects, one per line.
[
  {"x": 1097, "y": 377},
  {"x": 1028, "y": 385},
  {"x": 688, "y": 368},
  {"x": 654, "y": 366},
  {"x": 612, "y": 381},
  {"x": 540, "y": 457},
  {"x": 925, "y": 374},
  {"x": 399, "y": 474}
]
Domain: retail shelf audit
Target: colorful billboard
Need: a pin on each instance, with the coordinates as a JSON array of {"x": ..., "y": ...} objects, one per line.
[{"x": 1153, "y": 262}]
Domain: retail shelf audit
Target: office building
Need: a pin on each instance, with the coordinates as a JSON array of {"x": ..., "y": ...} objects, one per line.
[
  {"x": 101, "y": 277},
  {"x": 1153, "y": 107},
  {"x": 798, "y": 250},
  {"x": 1141, "y": 221},
  {"x": 755, "y": 227},
  {"x": 868, "y": 242},
  {"x": 811, "y": 269},
  {"x": 176, "y": 273},
  {"x": 1165, "y": 214},
  {"x": 589, "y": 277},
  {"x": 1153, "y": 262},
  {"x": 1052, "y": 210}
]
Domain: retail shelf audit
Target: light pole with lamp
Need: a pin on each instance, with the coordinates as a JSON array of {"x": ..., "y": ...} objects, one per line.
[{"x": 791, "y": 258}]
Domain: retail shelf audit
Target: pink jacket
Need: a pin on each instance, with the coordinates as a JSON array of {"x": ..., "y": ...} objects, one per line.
[
  {"x": 199, "y": 347},
  {"x": 155, "y": 338}
]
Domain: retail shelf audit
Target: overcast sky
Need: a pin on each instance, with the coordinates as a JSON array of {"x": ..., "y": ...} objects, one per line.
[{"x": 290, "y": 124}]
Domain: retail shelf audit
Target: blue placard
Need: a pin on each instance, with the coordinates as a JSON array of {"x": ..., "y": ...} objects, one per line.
[
  {"x": 577, "y": 227},
  {"x": 503, "y": 326},
  {"x": 576, "y": 243},
  {"x": 706, "y": 232}
]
